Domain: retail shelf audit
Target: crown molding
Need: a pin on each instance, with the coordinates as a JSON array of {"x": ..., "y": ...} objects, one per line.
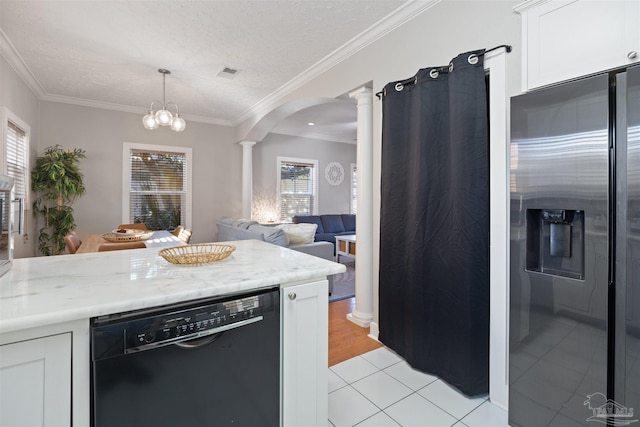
[
  {"x": 9, "y": 52},
  {"x": 528, "y": 4},
  {"x": 15, "y": 60},
  {"x": 126, "y": 108},
  {"x": 384, "y": 26},
  {"x": 317, "y": 137}
]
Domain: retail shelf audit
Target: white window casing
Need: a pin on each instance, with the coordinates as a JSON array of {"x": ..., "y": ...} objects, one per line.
[
  {"x": 297, "y": 193},
  {"x": 157, "y": 185}
]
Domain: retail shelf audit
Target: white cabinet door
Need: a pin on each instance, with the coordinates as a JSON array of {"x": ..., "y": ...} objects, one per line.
[
  {"x": 305, "y": 354},
  {"x": 35, "y": 378},
  {"x": 566, "y": 39}
]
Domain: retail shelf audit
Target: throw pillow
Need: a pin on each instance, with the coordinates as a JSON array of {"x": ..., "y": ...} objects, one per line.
[
  {"x": 271, "y": 234},
  {"x": 299, "y": 233},
  {"x": 243, "y": 223}
]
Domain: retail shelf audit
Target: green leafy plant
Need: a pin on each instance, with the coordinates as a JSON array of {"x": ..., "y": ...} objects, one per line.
[{"x": 57, "y": 180}]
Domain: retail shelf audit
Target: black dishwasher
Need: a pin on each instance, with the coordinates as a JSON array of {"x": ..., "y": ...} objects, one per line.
[{"x": 211, "y": 363}]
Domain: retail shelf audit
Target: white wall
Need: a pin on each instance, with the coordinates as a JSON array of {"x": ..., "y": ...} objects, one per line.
[
  {"x": 331, "y": 198},
  {"x": 101, "y": 133},
  {"x": 17, "y": 97}
]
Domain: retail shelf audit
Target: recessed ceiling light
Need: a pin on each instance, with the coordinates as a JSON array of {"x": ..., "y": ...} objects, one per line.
[{"x": 311, "y": 123}]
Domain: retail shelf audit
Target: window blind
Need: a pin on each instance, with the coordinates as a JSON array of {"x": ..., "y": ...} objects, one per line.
[
  {"x": 158, "y": 189},
  {"x": 296, "y": 189},
  {"x": 17, "y": 158}
]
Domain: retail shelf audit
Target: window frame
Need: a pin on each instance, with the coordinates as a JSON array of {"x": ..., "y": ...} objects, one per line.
[
  {"x": 126, "y": 176},
  {"x": 280, "y": 161},
  {"x": 9, "y": 116}
]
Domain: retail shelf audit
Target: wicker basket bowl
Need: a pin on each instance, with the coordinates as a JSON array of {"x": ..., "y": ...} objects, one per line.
[
  {"x": 129, "y": 236},
  {"x": 202, "y": 253}
]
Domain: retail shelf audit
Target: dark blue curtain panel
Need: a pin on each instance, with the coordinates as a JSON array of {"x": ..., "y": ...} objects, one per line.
[{"x": 434, "y": 243}]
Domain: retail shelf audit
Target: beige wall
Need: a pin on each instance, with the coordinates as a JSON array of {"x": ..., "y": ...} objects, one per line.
[
  {"x": 101, "y": 133},
  {"x": 331, "y": 198},
  {"x": 17, "y": 97}
]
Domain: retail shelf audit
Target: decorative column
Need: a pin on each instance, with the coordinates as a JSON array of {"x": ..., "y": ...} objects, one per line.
[
  {"x": 247, "y": 177},
  {"x": 363, "y": 313}
]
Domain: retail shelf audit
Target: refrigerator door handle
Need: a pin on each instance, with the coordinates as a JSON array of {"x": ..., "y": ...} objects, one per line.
[{"x": 617, "y": 363}]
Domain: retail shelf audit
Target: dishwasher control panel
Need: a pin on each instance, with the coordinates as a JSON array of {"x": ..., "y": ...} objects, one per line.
[{"x": 138, "y": 331}]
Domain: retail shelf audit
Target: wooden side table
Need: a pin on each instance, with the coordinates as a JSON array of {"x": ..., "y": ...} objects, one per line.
[{"x": 346, "y": 246}]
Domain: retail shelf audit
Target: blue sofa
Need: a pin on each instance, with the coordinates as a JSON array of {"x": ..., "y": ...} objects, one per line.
[{"x": 329, "y": 226}]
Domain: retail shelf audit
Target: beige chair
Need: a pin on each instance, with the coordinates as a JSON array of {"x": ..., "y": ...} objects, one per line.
[
  {"x": 73, "y": 241},
  {"x": 133, "y": 227},
  {"x": 181, "y": 233},
  {"x": 120, "y": 246}
]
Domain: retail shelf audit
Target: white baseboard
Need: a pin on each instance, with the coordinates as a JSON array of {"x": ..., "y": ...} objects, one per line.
[{"x": 373, "y": 331}]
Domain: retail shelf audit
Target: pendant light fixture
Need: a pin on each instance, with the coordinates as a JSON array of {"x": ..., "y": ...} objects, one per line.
[{"x": 163, "y": 117}]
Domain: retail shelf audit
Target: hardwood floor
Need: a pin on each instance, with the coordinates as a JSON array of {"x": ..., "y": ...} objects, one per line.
[{"x": 346, "y": 339}]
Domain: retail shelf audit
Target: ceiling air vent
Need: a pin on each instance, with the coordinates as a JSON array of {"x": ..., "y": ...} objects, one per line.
[{"x": 228, "y": 73}]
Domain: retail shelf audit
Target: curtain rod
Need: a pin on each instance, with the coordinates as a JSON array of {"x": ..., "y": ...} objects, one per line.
[{"x": 413, "y": 79}]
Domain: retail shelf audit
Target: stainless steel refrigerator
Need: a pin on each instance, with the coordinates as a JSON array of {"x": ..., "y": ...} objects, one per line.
[{"x": 574, "y": 330}]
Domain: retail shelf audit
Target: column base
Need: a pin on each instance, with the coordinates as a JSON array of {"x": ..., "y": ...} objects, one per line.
[{"x": 361, "y": 319}]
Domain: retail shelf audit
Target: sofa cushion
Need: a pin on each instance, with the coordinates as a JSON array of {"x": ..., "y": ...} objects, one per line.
[
  {"x": 332, "y": 223},
  {"x": 326, "y": 237},
  {"x": 299, "y": 234},
  {"x": 309, "y": 219},
  {"x": 271, "y": 234},
  {"x": 349, "y": 221}
]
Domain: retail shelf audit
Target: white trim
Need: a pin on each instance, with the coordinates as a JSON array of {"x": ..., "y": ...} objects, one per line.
[
  {"x": 126, "y": 108},
  {"x": 374, "y": 331},
  {"x": 281, "y": 159},
  {"x": 9, "y": 116},
  {"x": 393, "y": 20},
  {"x": 9, "y": 52},
  {"x": 498, "y": 228},
  {"x": 126, "y": 177}
]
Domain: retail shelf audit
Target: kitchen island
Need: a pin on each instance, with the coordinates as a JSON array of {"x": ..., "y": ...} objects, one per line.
[{"x": 46, "y": 304}]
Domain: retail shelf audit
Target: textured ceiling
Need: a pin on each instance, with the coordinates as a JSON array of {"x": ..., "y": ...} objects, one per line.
[{"x": 109, "y": 51}]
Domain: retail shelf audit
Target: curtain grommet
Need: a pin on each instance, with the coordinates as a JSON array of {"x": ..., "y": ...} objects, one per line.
[
  {"x": 473, "y": 59},
  {"x": 434, "y": 73},
  {"x": 399, "y": 87},
  {"x": 450, "y": 67}
]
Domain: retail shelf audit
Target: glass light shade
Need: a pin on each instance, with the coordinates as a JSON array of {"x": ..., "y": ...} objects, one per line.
[
  {"x": 164, "y": 117},
  {"x": 149, "y": 121},
  {"x": 178, "y": 124}
]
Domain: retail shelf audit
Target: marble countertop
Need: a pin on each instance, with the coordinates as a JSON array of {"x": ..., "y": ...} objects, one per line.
[{"x": 47, "y": 290}]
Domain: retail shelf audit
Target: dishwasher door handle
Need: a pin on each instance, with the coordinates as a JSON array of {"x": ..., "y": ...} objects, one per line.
[
  {"x": 186, "y": 338},
  {"x": 199, "y": 342}
]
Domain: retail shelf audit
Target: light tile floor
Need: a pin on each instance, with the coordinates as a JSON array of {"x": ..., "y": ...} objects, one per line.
[{"x": 379, "y": 389}]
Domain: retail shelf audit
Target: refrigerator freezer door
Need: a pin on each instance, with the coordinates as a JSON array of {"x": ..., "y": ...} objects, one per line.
[
  {"x": 558, "y": 315},
  {"x": 627, "y": 278}
]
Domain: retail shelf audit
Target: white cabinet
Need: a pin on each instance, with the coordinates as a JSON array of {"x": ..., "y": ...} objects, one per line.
[
  {"x": 36, "y": 382},
  {"x": 305, "y": 354},
  {"x": 566, "y": 39}
]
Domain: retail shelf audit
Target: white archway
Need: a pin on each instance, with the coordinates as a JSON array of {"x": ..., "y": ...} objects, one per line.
[{"x": 363, "y": 313}]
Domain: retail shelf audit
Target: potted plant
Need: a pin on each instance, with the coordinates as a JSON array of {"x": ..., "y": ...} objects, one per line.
[{"x": 57, "y": 180}]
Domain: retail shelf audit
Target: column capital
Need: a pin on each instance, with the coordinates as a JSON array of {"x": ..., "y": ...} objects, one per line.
[
  {"x": 360, "y": 92},
  {"x": 248, "y": 144}
]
